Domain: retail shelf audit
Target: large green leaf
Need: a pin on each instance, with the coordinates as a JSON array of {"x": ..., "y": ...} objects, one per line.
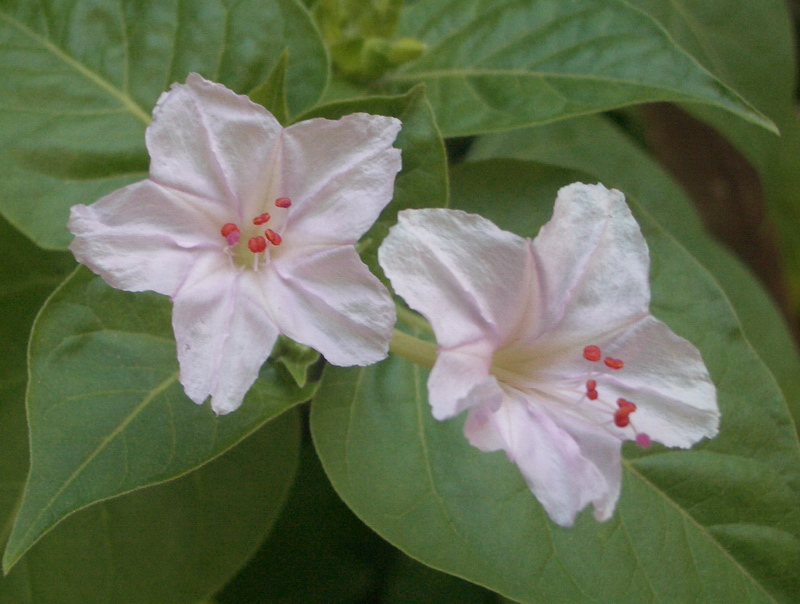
[
  {"x": 505, "y": 64},
  {"x": 327, "y": 555},
  {"x": 748, "y": 45},
  {"x": 318, "y": 551},
  {"x": 106, "y": 412},
  {"x": 127, "y": 549},
  {"x": 176, "y": 542},
  {"x": 592, "y": 144},
  {"x": 27, "y": 276},
  {"x": 80, "y": 78},
  {"x": 718, "y": 523}
]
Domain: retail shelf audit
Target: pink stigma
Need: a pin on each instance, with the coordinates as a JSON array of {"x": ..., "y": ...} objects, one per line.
[
  {"x": 231, "y": 233},
  {"x": 273, "y": 237},
  {"x": 259, "y": 220},
  {"x": 257, "y": 244},
  {"x": 591, "y": 353},
  {"x": 283, "y": 202},
  {"x": 613, "y": 363},
  {"x": 643, "y": 440}
]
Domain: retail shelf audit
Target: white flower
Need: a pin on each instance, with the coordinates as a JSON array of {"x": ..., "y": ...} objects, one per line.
[
  {"x": 550, "y": 344},
  {"x": 250, "y": 228}
]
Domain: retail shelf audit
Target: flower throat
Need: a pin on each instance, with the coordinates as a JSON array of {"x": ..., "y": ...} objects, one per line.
[{"x": 250, "y": 254}]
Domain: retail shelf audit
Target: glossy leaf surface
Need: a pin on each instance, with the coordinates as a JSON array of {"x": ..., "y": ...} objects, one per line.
[
  {"x": 175, "y": 542},
  {"x": 720, "y": 520},
  {"x": 506, "y": 64},
  {"x": 106, "y": 412}
]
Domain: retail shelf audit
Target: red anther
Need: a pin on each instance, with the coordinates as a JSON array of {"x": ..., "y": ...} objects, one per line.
[
  {"x": 257, "y": 244},
  {"x": 283, "y": 202},
  {"x": 228, "y": 229},
  {"x": 273, "y": 237},
  {"x": 613, "y": 363},
  {"x": 625, "y": 409},
  {"x": 261, "y": 219},
  {"x": 591, "y": 353},
  {"x": 626, "y": 405},
  {"x": 591, "y": 390},
  {"x": 643, "y": 440},
  {"x": 621, "y": 418}
]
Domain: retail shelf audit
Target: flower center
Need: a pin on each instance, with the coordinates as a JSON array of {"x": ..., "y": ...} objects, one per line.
[{"x": 252, "y": 250}]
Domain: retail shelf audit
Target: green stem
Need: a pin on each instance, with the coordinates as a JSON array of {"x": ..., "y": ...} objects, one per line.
[
  {"x": 413, "y": 349},
  {"x": 412, "y": 319}
]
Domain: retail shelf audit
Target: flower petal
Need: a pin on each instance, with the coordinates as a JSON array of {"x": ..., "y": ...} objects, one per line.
[
  {"x": 593, "y": 266},
  {"x": 666, "y": 378},
  {"x": 143, "y": 237},
  {"x": 460, "y": 379},
  {"x": 223, "y": 332},
  {"x": 329, "y": 300},
  {"x": 552, "y": 463},
  {"x": 211, "y": 142},
  {"x": 339, "y": 175},
  {"x": 603, "y": 450},
  {"x": 469, "y": 279}
]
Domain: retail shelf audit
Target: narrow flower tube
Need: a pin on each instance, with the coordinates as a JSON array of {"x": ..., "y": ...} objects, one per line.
[{"x": 549, "y": 344}]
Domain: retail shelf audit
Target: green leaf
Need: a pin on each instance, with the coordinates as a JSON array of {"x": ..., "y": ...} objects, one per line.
[
  {"x": 106, "y": 412},
  {"x": 317, "y": 553},
  {"x": 720, "y": 522},
  {"x": 27, "y": 276},
  {"x": 127, "y": 549},
  {"x": 80, "y": 79},
  {"x": 271, "y": 93},
  {"x": 592, "y": 144},
  {"x": 327, "y": 555},
  {"x": 296, "y": 358},
  {"x": 749, "y": 46},
  {"x": 176, "y": 542},
  {"x": 506, "y": 64},
  {"x": 422, "y": 182}
]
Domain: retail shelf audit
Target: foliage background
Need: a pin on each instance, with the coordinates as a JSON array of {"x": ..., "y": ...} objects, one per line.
[{"x": 114, "y": 487}]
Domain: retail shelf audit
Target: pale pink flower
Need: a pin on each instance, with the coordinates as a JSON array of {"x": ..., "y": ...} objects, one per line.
[
  {"x": 550, "y": 344},
  {"x": 250, "y": 228}
]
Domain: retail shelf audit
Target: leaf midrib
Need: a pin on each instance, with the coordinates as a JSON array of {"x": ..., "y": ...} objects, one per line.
[{"x": 125, "y": 99}]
